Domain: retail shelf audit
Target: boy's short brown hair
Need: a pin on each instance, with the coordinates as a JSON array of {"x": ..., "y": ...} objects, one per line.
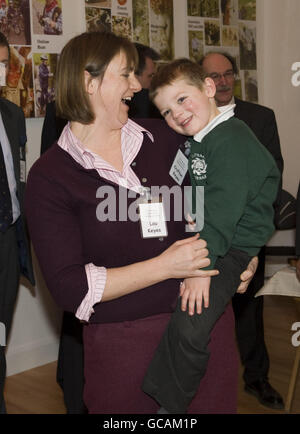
[
  {"x": 178, "y": 69},
  {"x": 91, "y": 52}
]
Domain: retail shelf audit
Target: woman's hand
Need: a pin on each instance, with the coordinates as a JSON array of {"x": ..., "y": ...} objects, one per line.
[
  {"x": 247, "y": 275},
  {"x": 184, "y": 258}
]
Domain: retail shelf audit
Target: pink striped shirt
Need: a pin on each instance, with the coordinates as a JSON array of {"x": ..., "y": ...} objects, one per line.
[{"x": 131, "y": 142}]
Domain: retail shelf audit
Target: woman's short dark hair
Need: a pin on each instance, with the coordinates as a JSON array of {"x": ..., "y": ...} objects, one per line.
[{"x": 91, "y": 52}]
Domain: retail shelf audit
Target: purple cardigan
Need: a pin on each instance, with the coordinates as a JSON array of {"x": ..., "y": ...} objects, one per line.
[{"x": 61, "y": 207}]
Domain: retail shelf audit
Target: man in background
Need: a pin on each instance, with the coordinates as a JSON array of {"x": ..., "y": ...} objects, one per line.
[
  {"x": 248, "y": 310},
  {"x": 140, "y": 105},
  {"x": 15, "y": 256}
]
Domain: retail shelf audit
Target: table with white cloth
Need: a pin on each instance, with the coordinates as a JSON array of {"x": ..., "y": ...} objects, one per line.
[{"x": 284, "y": 282}]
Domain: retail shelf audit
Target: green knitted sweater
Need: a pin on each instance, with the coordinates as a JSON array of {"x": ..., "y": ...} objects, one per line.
[{"x": 240, "y": 180}]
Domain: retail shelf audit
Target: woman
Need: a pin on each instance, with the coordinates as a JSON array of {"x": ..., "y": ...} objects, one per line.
[{"x": 94, "y": 259}]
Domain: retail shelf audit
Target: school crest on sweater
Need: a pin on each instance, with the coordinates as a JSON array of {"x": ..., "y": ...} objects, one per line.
[{"x": 198, "y": 166}]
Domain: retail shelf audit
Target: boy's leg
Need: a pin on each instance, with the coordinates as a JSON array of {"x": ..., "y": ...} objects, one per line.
[{"x": 181, "y": 358}]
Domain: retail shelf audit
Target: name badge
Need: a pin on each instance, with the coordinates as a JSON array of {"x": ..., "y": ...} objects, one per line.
[
  {"x": 179, "y": 167},
  {"x": 153, "y": 220}
]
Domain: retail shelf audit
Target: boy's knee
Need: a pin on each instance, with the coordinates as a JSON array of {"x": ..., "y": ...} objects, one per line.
[{"x": 189, "y": 330}]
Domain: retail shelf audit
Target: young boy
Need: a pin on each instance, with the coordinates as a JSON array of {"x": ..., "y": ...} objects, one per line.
[{"x": 240, "y": 180}]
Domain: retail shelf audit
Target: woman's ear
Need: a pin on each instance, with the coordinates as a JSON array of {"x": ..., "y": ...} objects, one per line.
[
  {"x": 90, "y": 83},
  {"x": 210, "y": 87}
]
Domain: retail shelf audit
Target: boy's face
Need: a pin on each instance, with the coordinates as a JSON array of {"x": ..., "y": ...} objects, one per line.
[{"x": 187, "y": 109}]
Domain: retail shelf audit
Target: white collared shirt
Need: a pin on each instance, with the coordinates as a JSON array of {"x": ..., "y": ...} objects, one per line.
[
  {"x": 10, "y": 171},
  {"x": 131, "y": 142},
  {"x": 226, "y": 113}
]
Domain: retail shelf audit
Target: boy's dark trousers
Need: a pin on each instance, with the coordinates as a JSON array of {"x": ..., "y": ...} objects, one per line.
[{"x": 181, "y": 358}]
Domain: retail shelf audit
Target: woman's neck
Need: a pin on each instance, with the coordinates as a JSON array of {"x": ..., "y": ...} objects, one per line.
[{"x": 101, "y": 141}]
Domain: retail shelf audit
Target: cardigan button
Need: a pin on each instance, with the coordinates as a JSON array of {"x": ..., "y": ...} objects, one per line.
[
  {"x": 133, "y": 163},
  {"x": 160, "y": 239},
  {"x": 144, "y": 179}
]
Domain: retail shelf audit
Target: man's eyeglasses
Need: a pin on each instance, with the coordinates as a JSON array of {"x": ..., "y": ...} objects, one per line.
[{"x": 228, "y": 75}]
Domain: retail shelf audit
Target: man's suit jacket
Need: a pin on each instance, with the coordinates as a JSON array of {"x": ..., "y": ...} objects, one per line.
[
  {"x": 14, "y": 124},
  {"x": 262, "y": 122}
]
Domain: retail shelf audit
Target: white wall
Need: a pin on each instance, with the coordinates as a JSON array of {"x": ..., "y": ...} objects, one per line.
[
  {"x": 34, "y": 336},
  {"x": 278, "y": 23}
]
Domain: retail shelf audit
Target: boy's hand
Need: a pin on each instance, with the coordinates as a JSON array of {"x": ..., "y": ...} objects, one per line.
[
  {"x": 247, "y": 275},
  {"x": 195, "y": 290}
]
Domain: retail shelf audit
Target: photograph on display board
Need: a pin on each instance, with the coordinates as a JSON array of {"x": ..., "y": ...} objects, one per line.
[
  {"x": 47, "y": 17},
  {"x": 15, "y": 21},
  {"x": 247, "y": 43},
  {"x": 98, "y": 19},
  {"x": 140, "y": 21},
  {"x": 212, "y": 32},
  {"x": 238, "y": 81},
  {"x": 251, "y": 92},
  {"x": 44, "y": 72},
  {"x": 121, "y": 26},
  {"x": 203, "y": 8},
  {"x": 19, "y": 82},
  {"x": 230, "y": 36},
  {"x": 238, "y": 88},
  {"x": 229, "y": 11},
  {"x": 247, "y": 10},
  {"x": 98, "y": 3},
  {"x": 196, "y": 45},
  {"x": 161, "y": 28}
]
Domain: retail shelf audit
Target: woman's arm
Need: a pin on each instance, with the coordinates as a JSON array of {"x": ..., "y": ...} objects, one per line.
[
  {"x": 182, "y": 259},
  {"x": 56, "y": 237}
]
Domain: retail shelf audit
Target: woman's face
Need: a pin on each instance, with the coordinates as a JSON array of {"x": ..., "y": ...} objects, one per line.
[{"x": 117, "y": 86}]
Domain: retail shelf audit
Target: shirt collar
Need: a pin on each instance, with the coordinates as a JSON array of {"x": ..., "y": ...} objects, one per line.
[
  {"x": 226, "y": 113},
  {"x": 131, "y": 131},
  {"x": 133, "y": 127},
  {"x": 224, "y": 107}
]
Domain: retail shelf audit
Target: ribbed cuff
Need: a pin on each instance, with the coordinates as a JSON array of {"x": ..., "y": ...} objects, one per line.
[{"x": 96, "y": 277}]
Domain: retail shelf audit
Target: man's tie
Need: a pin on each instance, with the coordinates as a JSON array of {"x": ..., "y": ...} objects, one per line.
[{"x": 5, "y": 199}]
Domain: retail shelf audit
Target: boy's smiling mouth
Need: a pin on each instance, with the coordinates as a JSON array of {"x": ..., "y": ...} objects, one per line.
[{"x": 186, "y": 121}]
